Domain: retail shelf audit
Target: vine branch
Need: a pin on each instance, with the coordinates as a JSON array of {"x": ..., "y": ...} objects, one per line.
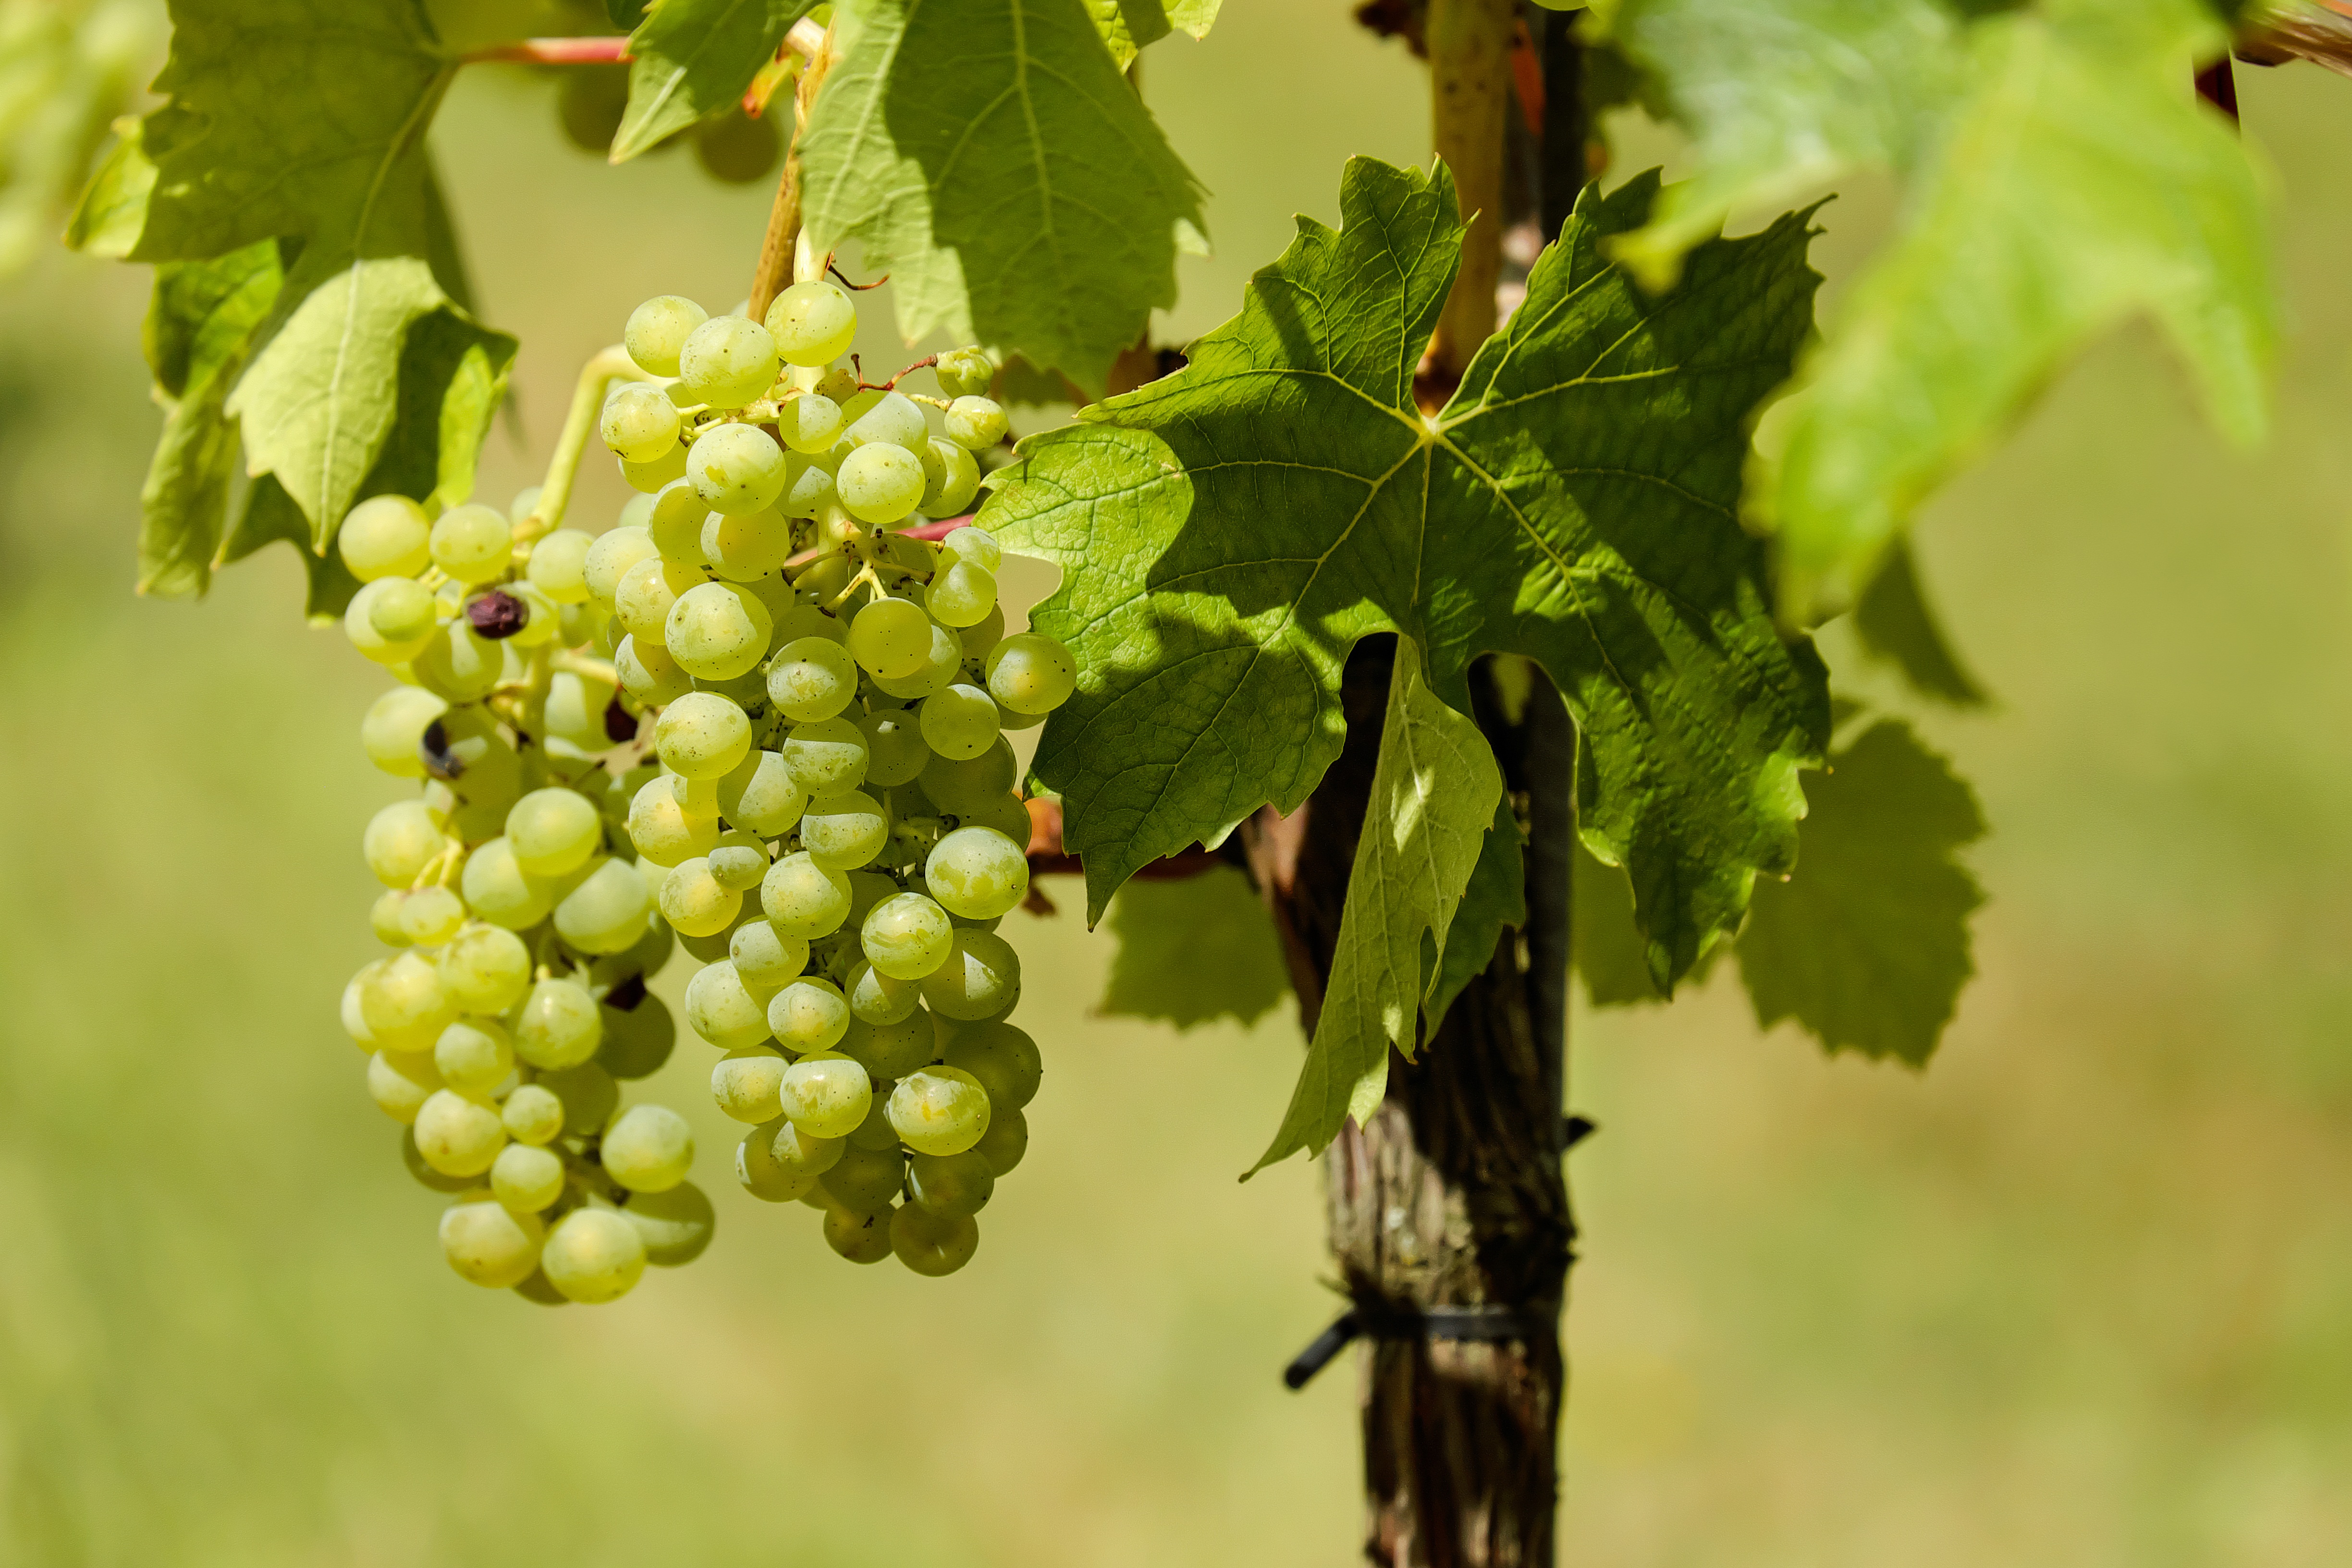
[{"x": 778, "y": 245}]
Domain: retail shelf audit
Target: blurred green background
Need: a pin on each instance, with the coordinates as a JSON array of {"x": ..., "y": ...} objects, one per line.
[{"x": 2080, "y": 1294}]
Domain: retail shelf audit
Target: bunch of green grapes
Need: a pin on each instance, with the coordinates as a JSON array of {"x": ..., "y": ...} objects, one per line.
[{"x": 834, "y": 829}]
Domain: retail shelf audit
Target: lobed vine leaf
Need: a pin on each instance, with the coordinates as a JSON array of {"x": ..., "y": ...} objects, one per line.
[
  {"x": 1496, "y": 902},
  {"x": 1228, "y": 533},
  {"x": 1193, "y": 950},
  {"x": 1435, "y": 789},
  {"x": 992, "y": 161},
  {"x": 690, "y": 59},
  {"x": 1129, "y": 27},
  {"x": 1894, "y": 624}
]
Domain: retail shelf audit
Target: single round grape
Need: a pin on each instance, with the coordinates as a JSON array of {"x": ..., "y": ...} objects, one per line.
[
  {"x": 457, "y": 1136},
  {"x": 728, "y": 362},
  {"x": 885, "y": 417},
  {"x": 657, "y": 331},
  {"x": 559, "y": 565},
  {"x": 766, "y": 960},
  {"x": 797, "y": 1151},
  {"x": 474, "y": 1055},
  {"x": 880, "y": 482},
  {"x": 639, "y": 1038},
  {"x": 723, "y": 1010},
  {"x": 473, "y": 544},
  {"x": 737, "y": 468},
  {"x": 400, "y": 1084},
  {"x": 718, "y": 631},
  {"x": 891, "y": 637},
  {"x": 978, "y": 980},
  {"x": 745, "y": 1084},
  {"x": 664, "y": 835},
  {"x": 977, "y": 873},
  {"x": 802, "y": 898},
  {"x": 558, "y": 1024},
  {"x": 458, "y": 663},
  {"x": 843, "y": 832},
  {"x": 738, "y": 861},
  {"x": 649, "y": 1149},
  {"x": 552, "y": 831},
  {"x": 400, "y": 611},
  {"x": 359, "y": 625},
  {"x": 385, "y": 536},
  {"x": 485, "y": 969},
  {"x": 527, "y": 1179},
  {"x": 930, "y": 1243},
  {"x": 1007, "y": 815},
  {"x": 532, "y": 1114},
  {"x": 352, "y": 1013},
  {"x": 964, "y": 373},
  {"x": 858, "y": 1235},
  {"x": 694, "y": 903},
  {"x": 401, "y": 841},
  {"x": 499, "y": 890},
  {"x": 975, "y": 546},
  {"x": 866, "y": 1181},
  {"x": 939, "y": 1110},
  {"x": 808, "y": 1014},
  {"x": 896, "y": 751},
  {"x": 761, "y": 797},
  {"x": 490, "y": 1244},
  {"x": 393, "y": 727},
  {"x": 676, "y": 1224},
  {"x": 745, "y": 548},
  {"x": 425, "y": 1175},
  {"x": 906, "y": 937},
  {"x": 952, "y": 479},
  {"x": 809, "y": 423},
  {"x": 674, "y": 524},
  {"x": 960, "y": 594},
  {"x": 813, "y": 322},
  {"x": 976, "y": 641},
  {"x": 812, "y": 678},
  {"x": 606, "y": 912},
  {"x": 702, "y": 735},
  {"x": 939, "y": 671},
  {"x": 592, "y": 1254},
  {"x": 763, "y": 1175},
  {"x": 650, "y": 478},
  {"x": 384, "y": 918},
  {"x": 609, "y": 556},
  {"x": 825, "y": 757},
  {"x": 1006, "y": 1139},
  {"x": 951, "y": 1184},
  {"x": 1003, "y": 1059},
  {"x": 648, "y": 673},
  {"x": 878, "y": 998},
  {"x": 1030, "y": 673},
  {"x": 891, "y": 1051},
  {"x": 959, "y": 723},
  {"x": 638, "y": 421},
  {"x": 963, "y": 788},
  {"x": 825, "y": 1094},
  {"x": 975, "y": 423}
]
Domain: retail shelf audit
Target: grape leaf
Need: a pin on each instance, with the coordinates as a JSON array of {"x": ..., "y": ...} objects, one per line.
[
  {"x": 2077, "y": 185},
  {"x": 1129, "y": 27},
  {"x": 1494, "y": 901},
  {"x": 694, "y": 57},
  {"x": 991, "y": 159},
  {"x": 1867, "y": 944},
  {"x": 1435, "y": 789},
  {"x": 1193, "y": 950},
  {"x": 1894, "y": 624},
  {"x": 1778, "y": 96},
  {"x": 1226, "y": 533},
  {"x": 114, "y": 205}
]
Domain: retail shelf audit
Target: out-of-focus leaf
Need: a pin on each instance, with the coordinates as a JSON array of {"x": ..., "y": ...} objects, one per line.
[
  {"x": 1894, "y": 624},
  {"x": 690, "y": 59},
  {"x": 1606, "y": 943},
  {"x": 1193, "y": 950},
  {"x": 1129, "y": 26},
  {"x": 269, "y": 515}
]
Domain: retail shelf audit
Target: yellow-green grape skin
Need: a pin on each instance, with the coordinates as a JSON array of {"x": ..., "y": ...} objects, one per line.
[
  {"x": 937, "y": 672},
  {"x": 488, "y": 1244},
  {"x": 865, "y": 1180},
  {"x": 896, "y": 751},
  {"x": 891, "y": 1051},
  {"x": 606, "y": 913},
  {"x": 474, "y": 1055},
  {"x": 1006, "y": 1139},
  {"x": 400, "y": 1084},
  {"x": 812, "y": 678},
  {"x": 950, "y": 490},
  {"x": 960, "y": 594},
  {"x": 553, "y": 830},
  {"x": 739, "y": 860},
  {"x": 384, "y": 918},
  {"x": 401, "y": 841},
  {"x": 459, "y": 664},
  {"x": 558, "y": 1024},
  {"x": 930, "y": 1243},
  {"x": 858, "y": 1235},
  {"x": 906, "y": 936},
  {"x": 642, "y": 600},
  {"x": 394, "y": 728},
  {"x": 843, "y": 832},
  {"x": 975, "y": 545},
  {"x": 825, "y": 1094},
  {"x": 485, "y": 969},
  {"x": 693, "y": 901},
  {"x": 662, "y": 832},
  {"x": 431, "y": 916},
  {"x": 763, "y": 1175},
  {"x": 885, "y": 418},
  {"x": 675, "y": 525},
  {"x": 717, "y": 631},
  {"x": 978, "y": 873},
  {"x": 744, "y": 548},
  {"x": 977, "y": 640},
  {"x": 951, "y": 1184},
  {"x": 675, "y": 1224},
  {"x": 939, "y": 1110},
  {"x": 728, "y": 362},
  {"x": 827, "y": 756},
  {"x": 532, "y": 1114},
  {"x": 559, "y": 565},
  {"x": 800, "y": 1152},
  {"x": 802, "y": 898},
  {"x": 878, "y": 998},
  {"x": 650, "y": 478},
  {"x": 963, "y": 788},
  {"x": 609, "y": 555},
  {"x": 525, "y": 1178},
  {"x": 592, "y": 1255},
  {"x": 744, "y": 1084},
  {"x": 880, "y": 482},
  {"x": 875, "y": 1133},
  {"x": 659, "y": 329},
  {"x": 638, "y": 422},
  {"x": 809, "y": 423},
  {"x": 702, "y": 735},
  {"x": 959, "y": 723},
  {"x": 964, "y": 373},
  {"x": 473, "y": 544},
  {"x": 1003, "y": 1059},
  {"x": 975, "y": 423},
  {"x": 400, "y": 611},
  {"x": 542, "y": 616},
  {"x": 457, "y": 1136},
  {"x": 497, "y": 889},
  {"x": 737, "y": 468},
  {"x": 801, "y": 619},
  {"x": 575, "y": 714},
  {"x": 723, "y": 1010},
  {"x": 649, "y": 1149},
  {"x": 808, "y": 1014},
  {"x": 978, "y": 979},
  {"x": 761, "y": 797},
  {"x": 812, "y": 322},
  {"x": 647, "y": 672},
  {"x": 1006, "y": 813},
  {"x": 385, "y": 536},
  {"x": 1030, "y": 673},
  {"x": 765, "y": 960},
  {"x": 808, "y": 489},
  {"x": 358, "y": 625}
]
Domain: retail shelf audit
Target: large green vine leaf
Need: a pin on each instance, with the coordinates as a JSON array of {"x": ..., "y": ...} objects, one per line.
[
  {"x": 1226, "y": 534},
  {"x": 991, "y": 159},
  {"x": 1194, "y": 949},
  {"x": 694, "y": 57}
]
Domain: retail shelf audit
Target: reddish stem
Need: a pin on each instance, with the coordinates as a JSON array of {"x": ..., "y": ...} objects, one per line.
[{"x": 587, "y": 51}]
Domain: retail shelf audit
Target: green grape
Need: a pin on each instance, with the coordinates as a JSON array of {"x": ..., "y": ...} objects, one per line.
[
  {"x": 939, "y": 1110},
  {"x": 424, "y": 1174},
  {"x": 483, "y": 769},
  {"x": 642, "y": 600},
  {"x": 825, "y": 757},
  {"x": 1003, "y": 1059},
  {"x": 542, "y": 616},
  {"x": 725, "y": 1011},
  {"x": 744, "y": 1084},
  {"x": 694, "y": 903},
  {"x": 589, "y": 1096},
  {"x": 963, "y": 372},
  {"x": 975, "y": 546},
  {"x": 890, "y": 1051},
  {"x": 718, "y": 631},
  {"x": 702, "y": 735},
  {"x": 824, "y": 1093},
  {"x": 473, "y": 1057},
  {"x": 400, "y": 1084},
  {"x": 650, "y": 478},
  {"x": 880, "y": 482},
  {"x": 745, "y": 548},
  {"x": 612, "y": 554},
  {"x": 737, "y": 468},
  {"x": 978, "y": 873},
  {"x": 812, "y": 678},
  {"x": 950, "y": 489},
  {"x": 804, "y": 620},
  {"x": 575, "y": 715},
  {"x": 896, "y": 751},
  {"x": 639, "y": 1038},
  {"x": 358, "y": 625},
  {"x": 808, "y": 1014},
  {"x": 400, "y": 611},
  {"x": 975, "y": 423},
  {"x": 1030, "y": 673},
  {"x": 798, "y": 1152},
  {"x": 559, "y": 564},
  {"x": 659, "y": 329},
  {"x": 592, "y": 1255},
  {"x": 675, "y": 527},
  {"x": 906, "y": 937},
  {"x": 394, "y": 726},
  {"x": 809, "y": 423},
  {"x": 664, "y": 835},
  {"x": 939, "y": 671},
  {"x": 728, "y": 362},
  {"x": 976, "y": 641},
  {"x": 803, "y": 898},
  {"x": 490, "y": 1244},
  {"x": 887, "y": 419},
  {"x": 962, "y": 788},
  {"x": 473, "y": 544},
  {"x": 932, "y": 1244},
  {"x": 552, "y": 831},
  {"x": 401, "y": 841},
  {"x": 675, "y": 1225},
  {"x": 532, "y": 1114},
  {"x": 460, "y": 664},
  {"x": 1007, "y": 815},
  {"x": 1006, "y": 1139},
  {"x": 857, "y": 1236},
  {"x": 843, "y": 832},
  {"x": 878, "y": 998},
  {"x": 766, "y": 960},
  {"x": 648, "y": 673},
  {"x": 649, "y": 1149},
  {"x": 810, "y": 490},
  {"x": 979, "y": 980},
  {"x": 813, "y": 322},
  {"x": 959, "y": 723},
  {"x": 864, "y": 1181},
  {"x": 385, "y": 536},
  {"x": 763, "y": 1175},
  {"x": 951, "y": 1184},
  {"x": 606, "y": 912},
  {"x": 639, "y": 422},
  {"x": 961, "y": 595},
  {"x": 875, "y": 1132},
  {"x": 739, "y": 860},
  {"x": 500, "y": 892},
  {"x": 525, "y": 1179},
  {"x": 761, "y": 797},
  {"x": 558, "y": 1024},
  {"x": 457, "y": 1136},
  {"x": 485, "y": 969},
  {"x": 384, "y": 918}
]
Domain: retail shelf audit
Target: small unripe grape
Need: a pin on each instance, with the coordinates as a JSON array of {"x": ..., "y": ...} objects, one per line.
[
  {"x": 966, "y": 788},
  {"x": 761, "y": 797},
  {"x": 525, "y": 1178},
  {"x": 813, "y": 322},
  {"x": 809, "y": 423},
  {"x": 675, "y": 523},
  {"x": 975, "y": 423},
  {"x": 675, "y": 1224},
  {"x": 975, "y": 545},
  {"x": 577, "y": 710},
  {"x": 891, "y": 637},
  {"x": 880, "y": 483},
  {"x": 693, "y": 901},
  {"x": 500, "y": 892},
  {"x": 812, "y": 678},
  {"x": 610, "y": 555},
  {"x": 738, "y": 861},
  {"x": 649, "y": 478},
  {"x": 649, "y": 1150},
  {"x": 906, "y": 936},
  {"x": 825, "y": 757},
  {"x": 978, "y": 873},
  {"x": 717, "y": 631},
  {"x": 559, "y": 565},
  {"x": 951, "y": 1183},
  {"x": 859, "y": 1235},
  {"x": 657, "y": 331},
  {"x": 809, "y": 490},
  {"x": 746, "y": 546},
  {"x": 937, "y": 672},
  {"x": 554, "y": 830},
  {"x": 457, "y": 1136},
  {"x": 385, "y": 536},
  {"x": 744, "y": 1084},
  {"x": 702, "y": 735},
  {"x": 486, "y": 969},
  {"x": 950, "y": 489},
  {"x": 964, "y": 373},
  {"x": 843, "y": 832},
  {"x": 401, "y": 610},
  {"x": 662, "y": 832},
  {"x": 474, "y": 1055},
  {"x": 648, "y": 673},
  {"x": 939, "y": 1110},
  {"x": 401, "y": 1085},
  {"x": 473, "y": 544},
  {"x": 639, "y": 422},
  {"x": 458, "y": 663},
  {"x": 810, "y": 1014},
  {"x": 959, "y": 721},
  {"x": 980, "y": 979},
  {"x": 394, "y": 728},
  {"x": 1031, "y": 673},
  {"x": 490, "y": 1244},
  {"x": 825, "y": 1094},
  {"x": 359, "y": 625},
  {"x": 896, "y": 751},
  {"x": 401, "y": 840},
  {"x": 931, "y": 1243},
  {"x": 606, "y": 913},
  {"x": 764, "y": 958},
  {"x": 431, "y": 916},
  {"x": 532, "y": 1114},
  {"x": 960, "y": 594},
  {"x": 558, "y": 1024},
  {"x": 889, "y": 418},
  {"x": 803, "y": 898},
  {"x": 592, "y": 1254},
  {"x": 737, "y": 468},
  {"x": 878, "y": 998},
  {"x": 728, "y": 362}
]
